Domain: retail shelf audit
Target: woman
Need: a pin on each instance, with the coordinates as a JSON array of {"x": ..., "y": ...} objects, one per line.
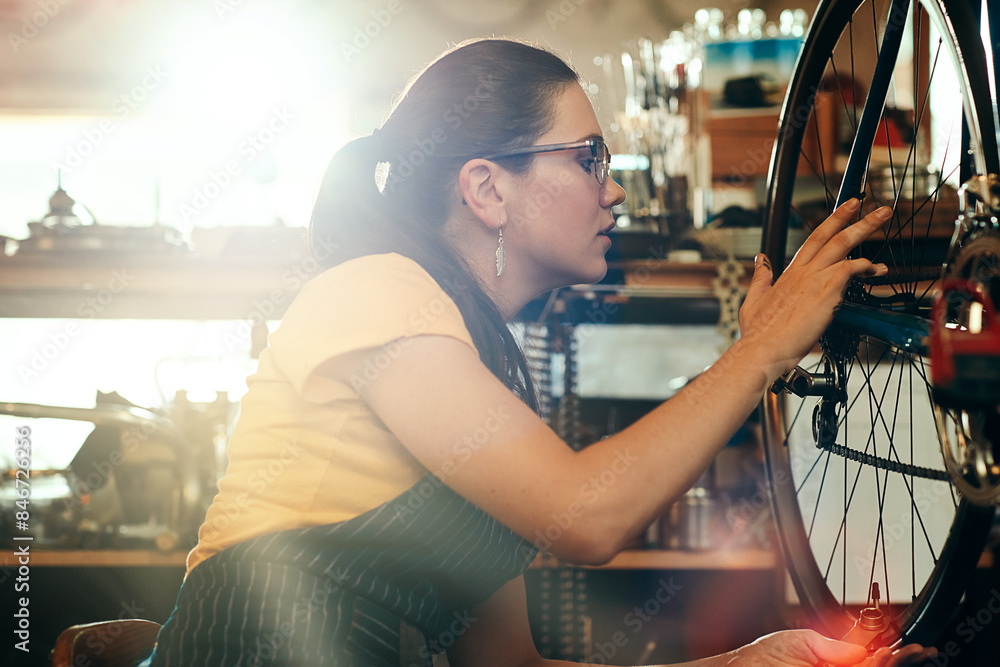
[{"x": 389, "y": 479}]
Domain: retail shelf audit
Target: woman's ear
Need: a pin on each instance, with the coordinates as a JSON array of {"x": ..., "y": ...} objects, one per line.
[{"x": 480, "y": 186}]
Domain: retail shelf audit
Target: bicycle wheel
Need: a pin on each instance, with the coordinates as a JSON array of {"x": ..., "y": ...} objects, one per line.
[{"x": 859, "y": 491}]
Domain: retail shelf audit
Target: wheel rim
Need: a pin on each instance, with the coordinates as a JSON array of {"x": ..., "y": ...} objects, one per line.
[{"x": 892, "y": 517}]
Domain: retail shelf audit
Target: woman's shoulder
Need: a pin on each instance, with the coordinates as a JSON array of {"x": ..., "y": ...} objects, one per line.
[
  {"x": 367, "y": 277},
  {"x": 379, "y": 287},
  {"x": 362, "y": 303},
  {"x": 375, "y": 270}
]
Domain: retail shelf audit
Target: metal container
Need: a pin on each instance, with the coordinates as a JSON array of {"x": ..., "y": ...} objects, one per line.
[{"x": 690, "y": 522}]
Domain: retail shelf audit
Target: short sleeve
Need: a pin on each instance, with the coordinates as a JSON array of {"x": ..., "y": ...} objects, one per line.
[{"x": 364, "y": 303}]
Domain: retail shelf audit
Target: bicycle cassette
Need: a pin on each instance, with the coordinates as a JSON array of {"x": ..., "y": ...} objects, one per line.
[
  {"x": 965, "y": 373},
  {"x": 965, "y": 347}
]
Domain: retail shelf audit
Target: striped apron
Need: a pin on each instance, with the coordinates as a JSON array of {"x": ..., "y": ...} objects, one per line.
[{"x": 388, "y": 588}]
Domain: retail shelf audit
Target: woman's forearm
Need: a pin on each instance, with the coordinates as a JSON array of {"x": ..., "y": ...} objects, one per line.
[{"x": 636, "y": 474}]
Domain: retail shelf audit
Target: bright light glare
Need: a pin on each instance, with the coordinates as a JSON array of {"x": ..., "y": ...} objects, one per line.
[
  {"x": 946, "y": 109},
  {"x": 241, "y": 69},
  {"x": 236, "y": 130},
  {"x": 946, "y": 114},
  {"x": 984, "y": 22}
]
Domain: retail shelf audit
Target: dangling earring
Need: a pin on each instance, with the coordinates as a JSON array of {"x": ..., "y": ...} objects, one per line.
[{"x": 501, "y": 255}]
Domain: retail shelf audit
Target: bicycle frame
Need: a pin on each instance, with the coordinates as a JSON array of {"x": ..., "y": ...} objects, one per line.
[{"x": 857, "y": 164}]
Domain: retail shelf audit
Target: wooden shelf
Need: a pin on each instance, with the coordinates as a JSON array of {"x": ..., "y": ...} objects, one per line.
[
  {"x": 660, "y": 278},
  {"x": 120, "y": 286},
  {"x": 43, "y": 557},
  {"x": 655, "y": 559}
]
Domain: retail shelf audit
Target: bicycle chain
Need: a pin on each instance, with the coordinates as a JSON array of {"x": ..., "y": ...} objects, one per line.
[{"x": 885, "y": 464}]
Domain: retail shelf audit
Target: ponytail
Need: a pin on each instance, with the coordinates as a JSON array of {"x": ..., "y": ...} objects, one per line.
[{"x": 349, "y": 191}]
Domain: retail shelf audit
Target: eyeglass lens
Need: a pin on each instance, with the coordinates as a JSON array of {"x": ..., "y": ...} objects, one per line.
[{"x": 603, "y": 161}]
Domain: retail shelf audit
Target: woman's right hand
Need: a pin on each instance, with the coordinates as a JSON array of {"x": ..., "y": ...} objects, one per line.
[{"x": 786, "y": 318}]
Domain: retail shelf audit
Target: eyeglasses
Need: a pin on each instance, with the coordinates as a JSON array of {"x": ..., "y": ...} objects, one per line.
[{"x": 598, "y": 151}]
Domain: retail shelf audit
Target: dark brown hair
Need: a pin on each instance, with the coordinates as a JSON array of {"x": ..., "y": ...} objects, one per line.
[{"x": 480, "y": 97}]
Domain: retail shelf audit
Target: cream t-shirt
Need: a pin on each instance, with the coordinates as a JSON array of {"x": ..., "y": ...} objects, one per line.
[{"x": 306, "y": 450}]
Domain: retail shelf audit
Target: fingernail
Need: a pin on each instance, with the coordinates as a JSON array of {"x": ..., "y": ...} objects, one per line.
[
  {"x": 761, "y": 260},
  {"x": 852, "y": 204},
  {"x": 884, "y": 213}
]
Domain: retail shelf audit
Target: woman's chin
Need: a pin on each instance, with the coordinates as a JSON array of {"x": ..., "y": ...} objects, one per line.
[{"x": 596, "y": 275}]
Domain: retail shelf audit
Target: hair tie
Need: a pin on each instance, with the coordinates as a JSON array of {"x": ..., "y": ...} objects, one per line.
[{"x": 379, "y": 155}]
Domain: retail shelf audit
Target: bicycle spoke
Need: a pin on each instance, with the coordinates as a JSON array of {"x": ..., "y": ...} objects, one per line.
[
  {"x": 819, "y": 495},
  {"x": 892, "y": 450},
  {"x": 819, "y": 177},
  {"x": 811, "y": 468},
  {"x": 879, "y": 531},
  {"x": 843, "y": 582},
  {"x": 854, "y": 97},
  {"x": 931, "y": 199},
  {"x": 843, "y": 522},
  {"x": 913, "y": 502},
  {"x": 924, "y": 105},
  {"x": 918, "y": 119}
]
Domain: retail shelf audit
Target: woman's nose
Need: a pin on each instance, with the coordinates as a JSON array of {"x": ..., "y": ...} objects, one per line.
[{"x": 612, "y": 194}]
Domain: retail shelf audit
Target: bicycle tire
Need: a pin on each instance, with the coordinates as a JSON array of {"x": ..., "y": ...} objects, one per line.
[{"x": 937, "y": 594}]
